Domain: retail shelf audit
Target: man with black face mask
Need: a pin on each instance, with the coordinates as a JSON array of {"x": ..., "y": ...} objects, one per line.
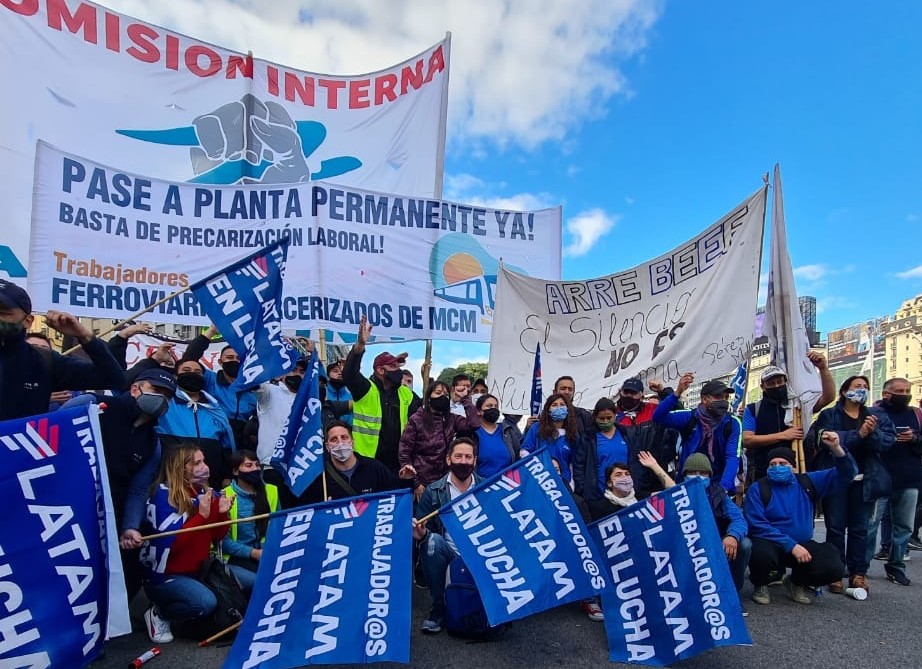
[
  {"x": 28, "y": 376},
  {"x": 766, "y": 423},
  {"x": 903, "y": 462},
  {"x": 381, "y": 403},
  {"x": 239, "y": 405},
  {"x": 336, "y": 388},
  {"x": 710, "y": 428}
]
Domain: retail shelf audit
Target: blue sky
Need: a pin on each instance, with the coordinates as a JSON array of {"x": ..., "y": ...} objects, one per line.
[{"x": 649, "y": 120}]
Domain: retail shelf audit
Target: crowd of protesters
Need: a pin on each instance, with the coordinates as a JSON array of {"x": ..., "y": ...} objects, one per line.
[{"x": 186, "y": 449}]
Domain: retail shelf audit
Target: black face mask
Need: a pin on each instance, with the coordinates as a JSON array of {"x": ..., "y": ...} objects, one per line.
[
  {"x": 191, "y": 382},
  {"x": 336, "y": 383},
  {"x": 231, "y": 368},
  {"x": 439, "y": 404},
  {"x": 293, "y": 382},
  {"x": 252, "y": 478},
  {"x": 629, "y": 403},
  {"x": 719, "y": 408},
  {"x": 491, "y": 415},
  {"x": 395, "y": 377},
  {"x": 779, "y": 395},
  {"x": 461, "y": 470},
  {"x": 898, "y": 402}
]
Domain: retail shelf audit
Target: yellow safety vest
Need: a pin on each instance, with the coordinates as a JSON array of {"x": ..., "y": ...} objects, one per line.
[
  {"x": 272, "y": 495},
  {"x": 366, "y": 418}
]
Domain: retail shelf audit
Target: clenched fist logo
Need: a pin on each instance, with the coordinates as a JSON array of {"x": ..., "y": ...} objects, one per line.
[{"x": 250, "y": 141}]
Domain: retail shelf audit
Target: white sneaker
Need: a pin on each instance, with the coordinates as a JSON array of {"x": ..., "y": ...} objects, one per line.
[{"x": 158, "y": 629}]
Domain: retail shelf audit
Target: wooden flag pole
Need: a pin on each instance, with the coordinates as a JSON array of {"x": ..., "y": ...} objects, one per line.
[
  {"x": 224, "y": 632},
  {"x": 427, "y": 367},
  {"x": 799, "y": 443},
  {"x": 183, "y": 530}
]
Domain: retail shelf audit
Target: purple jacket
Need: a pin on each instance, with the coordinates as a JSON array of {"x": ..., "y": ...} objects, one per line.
[{"x": 425, "y": 448}]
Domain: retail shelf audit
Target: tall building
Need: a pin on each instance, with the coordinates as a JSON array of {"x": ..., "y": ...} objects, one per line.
[{"x": 903, "y": 344}]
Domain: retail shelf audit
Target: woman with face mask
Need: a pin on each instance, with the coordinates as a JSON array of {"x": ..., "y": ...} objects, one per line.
[
  {"x": 197, "y": 417},
  {"x": 243, "y": 545},
  {"x": 865, "y": 432},
  {"x": 497, "y": 444},
  {"x": 428, "y": 433},
  {"x": 180, "y": 498},
  {"x": 598, "y": 450},
  {"x": 558, "y": 430},
  {"x": 618, "y": 494}
]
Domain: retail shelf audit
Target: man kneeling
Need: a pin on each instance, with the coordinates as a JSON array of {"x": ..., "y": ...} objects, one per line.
[
  {"x": 780, "y": 509},
  {"x": 436, "y": 548}
]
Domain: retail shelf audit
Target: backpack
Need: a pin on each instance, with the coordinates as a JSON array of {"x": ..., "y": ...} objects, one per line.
[
  {"x": 765, "y": 489},
  {"x": 232, "y": 602},
  {"x": 464, "y": 613}
]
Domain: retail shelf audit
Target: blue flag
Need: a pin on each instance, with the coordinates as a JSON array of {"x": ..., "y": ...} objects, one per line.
[
  {"x": 536, "y": 389},
  {"x": 673, "y": 596},
  {"x": 333, "y": 586},
  {"x": 244, "y": 302},
  {"x": 739, "y": 387},
  {"x": 298, "y": 454},
  {"x": 522, "y": 538},
  {"x": 53, "y": 563}
]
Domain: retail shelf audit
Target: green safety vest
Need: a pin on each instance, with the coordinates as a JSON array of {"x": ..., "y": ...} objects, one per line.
[
  {"x": 366, "y": 418},
  {"x": 272, "y": 495}
]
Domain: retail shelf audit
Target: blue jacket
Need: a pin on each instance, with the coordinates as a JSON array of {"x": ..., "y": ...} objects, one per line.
[
  {"x": 340, "y": 395},
  {"x": 203, "y": 423},
  {"x": 788, "y": 518},
  {"x": 727, "y": 515},
  {"x": 728, "y": 442}
]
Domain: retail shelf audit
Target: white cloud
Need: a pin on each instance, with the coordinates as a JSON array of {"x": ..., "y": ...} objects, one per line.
[
  {"x": 474, "y": 191},
  {"x": 825, "y": 304},
  {"x": 586, "y": 229},
  {"x": 914, "y": 273},
  {"x": 812, "y": 272},
  {"x": 522, "y": 71}
]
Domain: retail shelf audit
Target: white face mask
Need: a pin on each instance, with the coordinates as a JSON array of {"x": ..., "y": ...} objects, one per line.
[
  {"x": 342, "y": 451},
  {"x": 475, "y": 397}
]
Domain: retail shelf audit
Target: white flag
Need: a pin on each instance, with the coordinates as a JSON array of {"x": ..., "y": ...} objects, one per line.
[{"x": 784, "y": 324}]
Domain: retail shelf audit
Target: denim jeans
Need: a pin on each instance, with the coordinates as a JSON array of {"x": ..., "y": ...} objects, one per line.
[
  {"x": 738, "y": 564},
  {"x": 435, "y": 555},
  {"x": 846, "y": 510},
  {"x": 246, "y": 577},
  {"x": 181, "y": 598},
  {"x": 902, "y": 505}
]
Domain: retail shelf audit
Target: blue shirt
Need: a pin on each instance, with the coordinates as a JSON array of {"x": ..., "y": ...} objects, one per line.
[
  {"x": 559, "y": 449},
  {"x": 610, "y": 451},
  {"x": 492, "y": 454}
]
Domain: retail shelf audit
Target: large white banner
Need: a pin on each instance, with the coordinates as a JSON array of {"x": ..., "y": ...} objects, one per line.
[
  {"x": 151, "y": 101},
  {"x": 689, "y": 310},
  {"x": 107, "y": 243}
]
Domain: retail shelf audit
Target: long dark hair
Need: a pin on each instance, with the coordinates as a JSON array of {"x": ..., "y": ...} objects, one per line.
[
  {"x": 261, "y": 503},
  {"x": 427, "y": 408},
  {"x": 546, "y": 428}
]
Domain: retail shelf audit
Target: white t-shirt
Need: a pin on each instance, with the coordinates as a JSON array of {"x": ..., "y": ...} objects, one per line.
[{"x": 273, "y": 404}]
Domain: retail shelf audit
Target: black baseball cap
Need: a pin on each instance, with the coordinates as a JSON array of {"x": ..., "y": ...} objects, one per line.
[
  {"x": 14, "y": 297},
  {"x": 634, "y": 384},
  {"x": 715, "y": 387},
  {"x": 159, "y": 378}
]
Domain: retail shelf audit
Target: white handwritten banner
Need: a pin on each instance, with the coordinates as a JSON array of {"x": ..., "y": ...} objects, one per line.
[
  {"x": 106, "y": 244},
  {"x": 688, "y": 310},
  {"x": 161, "y": 103}
]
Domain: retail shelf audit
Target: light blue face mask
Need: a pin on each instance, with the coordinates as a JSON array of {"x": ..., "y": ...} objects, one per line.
[
  {"x": 559, "y": 413},
  {"x": 781, "y": 474},
  {"x": 692, "y": 477},
  {"x": 858, "y": 395}
]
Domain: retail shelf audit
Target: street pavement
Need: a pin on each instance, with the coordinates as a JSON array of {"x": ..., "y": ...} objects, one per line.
[{"x": 835, "y": 631}]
